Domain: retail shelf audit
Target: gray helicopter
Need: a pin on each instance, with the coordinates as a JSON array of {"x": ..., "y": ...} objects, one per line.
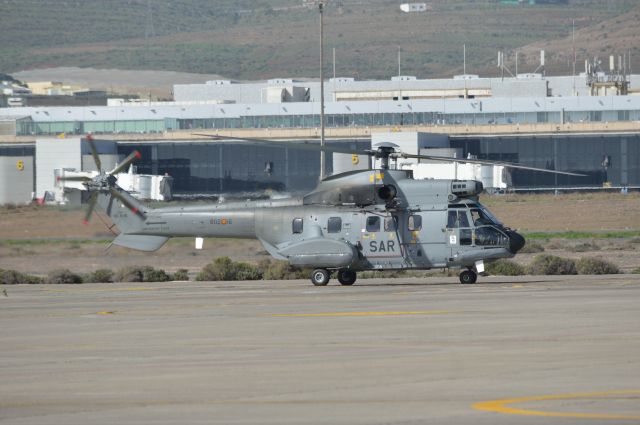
[{"x": 376, "y": 219}]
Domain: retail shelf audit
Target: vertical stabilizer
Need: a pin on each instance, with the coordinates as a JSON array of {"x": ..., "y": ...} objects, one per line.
[{"x": 126, "y": 212}]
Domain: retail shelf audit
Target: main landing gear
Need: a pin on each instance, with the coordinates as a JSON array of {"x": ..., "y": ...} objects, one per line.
[
  {"x": 320, "y": 277},
  {"x": 468, "y": 276},
  {"x": 346, "y": 277}
]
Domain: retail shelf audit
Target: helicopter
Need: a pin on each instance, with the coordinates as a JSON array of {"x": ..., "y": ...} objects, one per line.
[{"x": 374, "y": 219}]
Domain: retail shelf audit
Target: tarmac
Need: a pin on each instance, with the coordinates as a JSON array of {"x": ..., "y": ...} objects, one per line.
[{"x": 525, "y": 350}]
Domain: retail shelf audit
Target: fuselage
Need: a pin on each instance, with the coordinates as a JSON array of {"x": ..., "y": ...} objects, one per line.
[{"x": 456, "y": 234}]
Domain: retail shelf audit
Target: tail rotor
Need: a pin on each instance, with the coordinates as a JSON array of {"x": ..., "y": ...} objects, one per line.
[{"x": 104, "y": 182}]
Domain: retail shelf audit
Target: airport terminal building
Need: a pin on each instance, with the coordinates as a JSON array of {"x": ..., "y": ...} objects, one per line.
[{"x": 588, "y": 123}]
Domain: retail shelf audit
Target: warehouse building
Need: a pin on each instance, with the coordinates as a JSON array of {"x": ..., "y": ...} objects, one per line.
[{"x": 474, "y": 110}]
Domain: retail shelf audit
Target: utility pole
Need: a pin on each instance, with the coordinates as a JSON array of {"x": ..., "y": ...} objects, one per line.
[
  {"x": 322, "y": 153},
  {"x": 320, "y": 4},
  {"x": 573, "y": 42}
]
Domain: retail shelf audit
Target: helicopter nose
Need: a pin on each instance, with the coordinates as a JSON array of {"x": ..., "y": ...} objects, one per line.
[{"x": 516, "y": 241}]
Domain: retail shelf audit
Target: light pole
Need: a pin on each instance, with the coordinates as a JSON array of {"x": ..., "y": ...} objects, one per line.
[
  {"x": 321, "y": 4},
  {"x": 322, "y": 154}
]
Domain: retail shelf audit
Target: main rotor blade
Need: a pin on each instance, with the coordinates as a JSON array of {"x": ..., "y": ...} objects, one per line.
[
  {"x": 92, "y": 204},
  {"x": 94, "y": 152},
  {"x": 127, "y": 161},
  {"x": 483, "y": 162},
  {"x": 116, "y": 194},
  {"x": 304, "y": 145}
]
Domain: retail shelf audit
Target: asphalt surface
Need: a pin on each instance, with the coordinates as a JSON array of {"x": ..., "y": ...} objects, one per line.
[{"x": 560, "y": 350}]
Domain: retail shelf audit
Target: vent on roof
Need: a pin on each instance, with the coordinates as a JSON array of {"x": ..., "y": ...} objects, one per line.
[{"x": 404, "y": 78}]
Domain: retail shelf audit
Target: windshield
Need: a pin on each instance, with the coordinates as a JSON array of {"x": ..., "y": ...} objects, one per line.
[{"x": 482, "y": 216}]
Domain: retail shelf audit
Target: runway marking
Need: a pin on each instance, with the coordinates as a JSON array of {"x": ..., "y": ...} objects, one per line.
[
  {"x": 502, "y": 406},
  {"x": 364, "y": 313},
  {"x": 80, "y": 289}
]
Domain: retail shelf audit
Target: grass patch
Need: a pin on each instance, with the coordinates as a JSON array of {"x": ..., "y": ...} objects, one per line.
[
  {"x": 72, "y": 243},
  {"x": 583, "y": 235},
  {"x": 223, "y": 268},
  {"x": 596, "y": 266},
  {"x": 545, "y": 264},
  {"x": 532, "y": 248},
  {"x": 584, "y": 247},
  {"x": 505, "y": 268},
  {"x": 12, "y": 277}
]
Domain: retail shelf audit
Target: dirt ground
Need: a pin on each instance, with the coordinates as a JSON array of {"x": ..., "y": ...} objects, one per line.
[{"x": 40, "y": 239}]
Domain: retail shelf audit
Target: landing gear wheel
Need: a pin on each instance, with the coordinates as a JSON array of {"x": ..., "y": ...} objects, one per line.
[
  {"x": 468, "y": 276},
  {"x": 347, "y": 277},
  {"x": 320, "y": 277}
]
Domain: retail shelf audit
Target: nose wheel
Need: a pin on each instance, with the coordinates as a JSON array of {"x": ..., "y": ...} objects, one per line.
[
  {"x": 468, "y": 277},
  {"x": 320, "y": 277}
]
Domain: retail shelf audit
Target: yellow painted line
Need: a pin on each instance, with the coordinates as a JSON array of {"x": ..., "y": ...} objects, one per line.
[
  {"x": 106, "y": 313},
  {"x": 502, "y": 406},
  {"x": 364, "y": 313}
]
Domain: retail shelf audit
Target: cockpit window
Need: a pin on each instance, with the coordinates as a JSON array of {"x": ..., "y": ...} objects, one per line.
[
  {"x": 373, "y": 224},
  {"x": 482, "y": 217},
  {"x": 457, "y": 218}
]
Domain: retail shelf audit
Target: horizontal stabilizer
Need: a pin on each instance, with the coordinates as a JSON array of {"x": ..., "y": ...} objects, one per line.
[{"x": 140, "y": 242}]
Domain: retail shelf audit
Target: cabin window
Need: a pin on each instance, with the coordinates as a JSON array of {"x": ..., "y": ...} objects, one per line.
[
  {"x": 415, "y": 222},
  {"x": 465, "y": 237},
  {"x": 390, "y": 224},
  {"x": 334, "y": 225},
  {"x": 373, "y": 224},
  {"x": 457, "y": 219},
  {"x": 297, "y": 225}
]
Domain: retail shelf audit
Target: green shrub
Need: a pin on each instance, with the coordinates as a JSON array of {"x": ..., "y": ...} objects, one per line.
[
  {"x": 129, "y": 274},
  {"x": 596, "y": 266},
  {"x": 636, "y": 270},
  {"x": 99, "y": 276},
  {"x": 12, "y": 277},
  {"x": 141, "y": 274},
  {"x": 149, "y": 274},
  {"x": 281, "y": 270},
  {"x": 505, "y": 268},
  {"x": 544, "y": 264},
  {"x": 181, "y": 274},
  {"x": 532, "y": 248},
  {"x": 63, "y": 276},
  {"x": 222, "y": 268}
]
